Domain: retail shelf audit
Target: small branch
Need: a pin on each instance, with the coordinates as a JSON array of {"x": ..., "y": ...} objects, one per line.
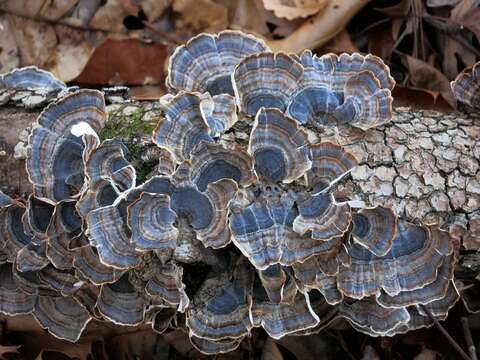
[
  {"x": 445, "y": 333},
  {"x": 468, "y": 338}
]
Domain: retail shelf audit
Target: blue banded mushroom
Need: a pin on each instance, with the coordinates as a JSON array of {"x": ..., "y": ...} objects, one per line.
[
  {"x": 183, "y": 126},
  {"x": 322, "y": 216},
  {"x": 352, "y": 89},
  {"x": 211, "y": 347},
  {"x": 330, "y": 163},
  {"x": 108, "y": 174},
  {"x": 375, "y": 229},
  {"x": 279, "y": 146},
  {"x": 13, "y": 300},
  {"x": 87, "y": 262},
  {"x": 279, "y": 320},
  {"x": 263, "y": 232},
  {"x": 121, "y": 303},
  {"x": 369, "y": 317},
  {"x": 220, "y": 310},
  {"x": 167, "y": 285},
  {"x": 206, "y": 61},
  {"x": 64, "y": 230},
  {"x": 31, "y": 78},
  {"x": 63, "y": 317},
  {"x": 32, "y": 257},
  {"x": 466, "y": 86},
  {"x": 265, "y": 80},
  {"x": 433, "y": 291},
  {"x": 279, "y": 284},
  {"x": 64, "y": 135},
  {"x": 413, "y": 261}
]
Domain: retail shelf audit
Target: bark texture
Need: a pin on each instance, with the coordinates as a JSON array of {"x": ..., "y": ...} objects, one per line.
[{"x": 424, "y": 164}]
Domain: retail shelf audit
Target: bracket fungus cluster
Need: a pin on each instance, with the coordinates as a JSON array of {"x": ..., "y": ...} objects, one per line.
[{"x": 277, "y": 247}]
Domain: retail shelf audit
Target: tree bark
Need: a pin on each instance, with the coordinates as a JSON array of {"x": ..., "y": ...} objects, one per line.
[{"x": 424, "y": 164}]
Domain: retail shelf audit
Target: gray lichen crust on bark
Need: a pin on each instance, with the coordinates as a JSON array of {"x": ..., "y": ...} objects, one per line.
[{"x": 424, "y": 164}]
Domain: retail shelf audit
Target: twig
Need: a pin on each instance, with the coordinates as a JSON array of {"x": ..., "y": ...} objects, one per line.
[
  {"x": 445, "y": 333},
  {"x": 468, "y": 338}
]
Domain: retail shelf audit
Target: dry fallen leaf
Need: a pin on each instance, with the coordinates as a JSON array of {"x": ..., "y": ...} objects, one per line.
[
  {"x": 55, "y": 9},
  {"x": 427, "y": 354},
  {"x": 438, "y": 3},
  {"x": 419, "y": 99},
  {"x": 340, "y": 44},
  {"x": 110, "y": 16},
  {"x": 294, "y": 8},
  {"x": 125, "y": 62},
  {"x": 426, "y": 76}
]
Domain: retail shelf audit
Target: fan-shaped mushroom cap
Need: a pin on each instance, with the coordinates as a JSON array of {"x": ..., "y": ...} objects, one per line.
[
  {"x": 263, "y": 233},
  {"x": 38, "y": 215},
  {"x": 206, "y": 61},
  {"x": 330, "y": 80},
  {"x": 59, "y": 143},
  {"x": 108, "y": 232},
  {"x": 330, "y": 162},
  {"x": 279, "y": 147},
  {"x": 13, "y": 236},
  {"x": 279, "y": 320},
  {"x": 265, "y": 80},
  {"x": 221, "y": 307},
  {"x": 108, "y": 162},
  {"x": 322, "y": 216},
  {"x": 121, "y": 303},
  {"x": 436, "y": 290},
  {"x": 375, "y": 229},
  {"x": 166, "y": 162},
  {"x": 87, "y": 262},
  {"x": 30, "y": 77},
  {"x": 466, "y": 86},
  {"x": 63, "y": 317},
  {"x": 366, "y": 103},
  {"x": 311, "y": 277},
  {"x": 279, "y": 284},
  {"x": 210, "y": 347},
  {"x": 369, "y": 317},
  {"x": 13, "y": 301},
  {"x": 64, "y": 228},
  {"x": 32, "y": 257},
  {"x": 211, "y": 162},
  {"x": 63, "y": 281},
  {"x": 183, "y": 127},
  {"x": 416, "y": 322},
  {"x": 440, "y": 308},
  {"x": 325, "y": 262},
  {"x": 416, "y": 254},
  {"x": 101, "y": 193},
  {"x": 167, "y": 285},
  {"x": 152, "y": 222}
]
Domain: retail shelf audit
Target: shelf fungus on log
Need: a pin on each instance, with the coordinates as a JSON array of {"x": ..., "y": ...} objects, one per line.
[
  {"x": 31, "y": 78},
  {"x": 65, "y": 133},
  {"x": 245, "y": 222}
]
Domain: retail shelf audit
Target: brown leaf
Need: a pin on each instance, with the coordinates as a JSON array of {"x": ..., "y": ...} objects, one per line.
[
  {"x": 294, "y": 9},
  {"x": 472, "y": 22},
  {"x": 400, "y": 10},
  {"x": 427, "y": 354},
  {"x": 270, "y": 351},
  {"x": 125, "y": 62},
  {"x": 425, "y": 76},
  {"x": 380, "y": 42},
  {"x": 153, "y": 9},
  {"x": 419, "y": 99}
]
